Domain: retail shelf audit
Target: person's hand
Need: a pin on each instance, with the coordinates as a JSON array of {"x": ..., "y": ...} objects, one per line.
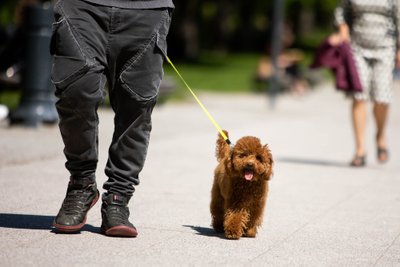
[
  {"x": 335, "y": 39},
  {"x": 341, "y": 36}
]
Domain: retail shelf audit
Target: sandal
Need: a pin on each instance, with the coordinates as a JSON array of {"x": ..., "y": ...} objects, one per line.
[
  {"x": 382, "y": 154},
  {"x": 358, "y": 161}
]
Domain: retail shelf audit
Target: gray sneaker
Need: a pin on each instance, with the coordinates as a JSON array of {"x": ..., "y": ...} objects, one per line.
[
  {"x": 115, "y": 214},
  {"x": 81, "y": 196}
]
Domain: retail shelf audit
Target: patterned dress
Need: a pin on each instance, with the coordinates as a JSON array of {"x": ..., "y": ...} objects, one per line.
[{"x": 373, "y": 26}]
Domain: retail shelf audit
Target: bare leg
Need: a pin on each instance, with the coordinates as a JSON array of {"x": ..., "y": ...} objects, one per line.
[
  {"x": 359, "y": 117},
  {"x": 381, "y": 113}
]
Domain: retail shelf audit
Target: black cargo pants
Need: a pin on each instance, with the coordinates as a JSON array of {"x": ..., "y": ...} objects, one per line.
[{"x": 93, "y": 45}]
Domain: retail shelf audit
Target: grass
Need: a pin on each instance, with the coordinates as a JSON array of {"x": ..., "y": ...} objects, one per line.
[
  {"x": 10, "y": 98},
  {"x": 215, "y": 73}
]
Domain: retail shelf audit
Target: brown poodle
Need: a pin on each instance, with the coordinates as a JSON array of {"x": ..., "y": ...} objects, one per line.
[{"x": 240, "y": 186}]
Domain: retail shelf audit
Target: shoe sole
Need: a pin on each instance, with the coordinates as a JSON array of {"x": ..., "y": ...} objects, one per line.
[
  {"x": 76, "y": 228},
  {"x": 121, "y": 231}
]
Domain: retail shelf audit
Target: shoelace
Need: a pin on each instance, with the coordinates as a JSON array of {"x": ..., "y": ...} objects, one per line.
[{"x": 75, "y": 201}]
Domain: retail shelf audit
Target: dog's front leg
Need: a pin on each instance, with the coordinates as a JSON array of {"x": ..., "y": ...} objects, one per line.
[
  {"x": 253, "y": 224},
  {"x": 235, "y": 222},
  {"x": 251, "y": 231},
  {"x": 217, "y": 209}
]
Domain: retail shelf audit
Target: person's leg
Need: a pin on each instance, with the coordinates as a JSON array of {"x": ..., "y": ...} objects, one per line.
[
  {"x": 359, "y": 106},
  {"x": 79, "y": 82},
  {"x": 136, "y": 58},
  {"x": 381, "y": 113},
  {"x": 382, "y": 94},
  {"x": 359, "y": 119}
]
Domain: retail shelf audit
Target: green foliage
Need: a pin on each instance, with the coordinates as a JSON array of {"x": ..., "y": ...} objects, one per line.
[
  {"x": 327, "y": 4},
  {"x": 230, "y": 73},
  {"x": 241, "y": 25},
  {"x": 6, "y": 12},
  {"x": 10, "y": 98},
  {"x": 309, "y": 42}
]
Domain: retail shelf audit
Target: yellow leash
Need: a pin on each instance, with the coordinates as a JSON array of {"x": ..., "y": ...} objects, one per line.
[{"x": 200, "y": 104}]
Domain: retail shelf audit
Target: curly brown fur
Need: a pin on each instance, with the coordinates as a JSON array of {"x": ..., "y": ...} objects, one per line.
[{"x": 240, "y": 187}]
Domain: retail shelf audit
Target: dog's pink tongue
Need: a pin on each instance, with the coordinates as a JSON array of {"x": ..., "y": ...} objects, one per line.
[{"x": 248, "y": 175}]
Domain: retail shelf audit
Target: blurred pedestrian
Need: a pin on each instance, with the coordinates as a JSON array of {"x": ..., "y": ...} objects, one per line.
[
  {"x": 122, "y": 42},
  {"x": 371, "y": 28}
]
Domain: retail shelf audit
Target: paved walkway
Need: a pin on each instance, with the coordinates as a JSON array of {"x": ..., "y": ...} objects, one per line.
[{"x": 319, "y": 212}]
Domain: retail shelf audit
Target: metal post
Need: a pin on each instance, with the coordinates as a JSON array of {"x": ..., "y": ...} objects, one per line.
[
  {"x": 276, "y": 47},
  {"x": 37, "y": 103}
]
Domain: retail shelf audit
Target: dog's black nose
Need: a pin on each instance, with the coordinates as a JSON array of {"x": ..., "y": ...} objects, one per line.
[{"x": 249, "y": 164}]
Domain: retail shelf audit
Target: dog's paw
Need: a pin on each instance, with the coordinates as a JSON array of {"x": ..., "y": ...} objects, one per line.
[
  {"x": 233, "y": 235},
  {"x": 251, "y": 232}
]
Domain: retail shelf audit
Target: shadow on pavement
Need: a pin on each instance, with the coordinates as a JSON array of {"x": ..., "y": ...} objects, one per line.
[
  {"x": 35, "y": 222},
  {"x": 312, "y": 162},
  {"x": 205, "y": 231}
]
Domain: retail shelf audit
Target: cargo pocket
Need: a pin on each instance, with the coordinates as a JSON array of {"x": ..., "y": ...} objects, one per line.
[
  {"x": 143, "y": 77},
  {"x": 70, "y": 62}
]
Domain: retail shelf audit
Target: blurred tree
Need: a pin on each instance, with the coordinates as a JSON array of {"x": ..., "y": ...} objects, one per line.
[
  {"x": 240, "y": 25},
  {"x": 7, "y": 8},
  {"x": 228, "y": 25}
]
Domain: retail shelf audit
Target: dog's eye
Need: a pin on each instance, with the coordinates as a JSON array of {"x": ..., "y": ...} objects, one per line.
[
  {"x": 242, "y": 155},
  {"x": 259, "y": 158}
]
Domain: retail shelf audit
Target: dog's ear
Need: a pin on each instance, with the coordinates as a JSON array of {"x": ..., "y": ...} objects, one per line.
[
  {"x": 270, "y": 162},
  {"x": 229, "y": 162},
  {"x": 222, "y": 150}
]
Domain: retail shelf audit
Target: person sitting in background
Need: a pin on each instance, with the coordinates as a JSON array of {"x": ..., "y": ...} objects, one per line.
[{"x": 289, "y": 70}]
